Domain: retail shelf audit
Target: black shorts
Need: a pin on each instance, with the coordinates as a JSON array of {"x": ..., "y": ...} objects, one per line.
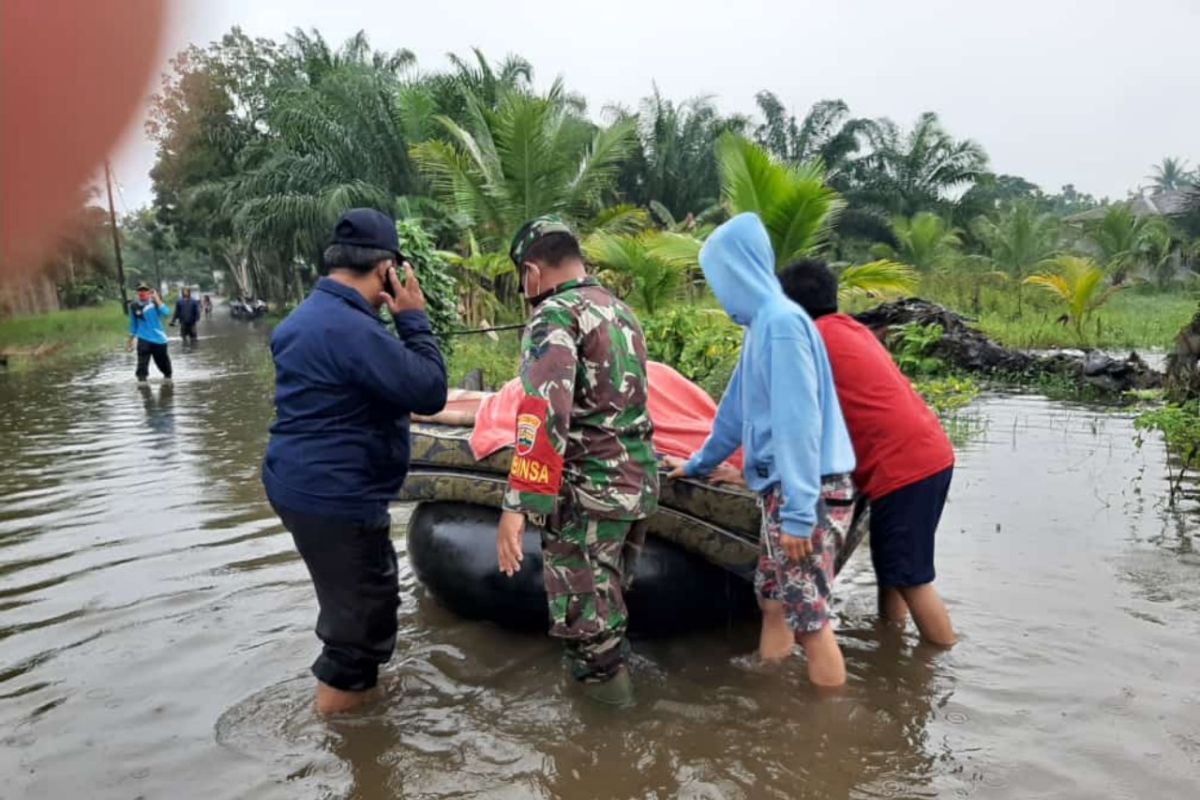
[
  {"x": 903, "y": 524},
  {"x": 353, "y": 569}
]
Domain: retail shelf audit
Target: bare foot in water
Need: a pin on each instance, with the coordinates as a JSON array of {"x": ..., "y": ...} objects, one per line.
[{"x": 336, "y": 701}]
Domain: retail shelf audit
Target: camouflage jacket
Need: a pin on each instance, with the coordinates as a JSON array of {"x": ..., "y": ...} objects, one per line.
[{"x": 583, "y": 428}]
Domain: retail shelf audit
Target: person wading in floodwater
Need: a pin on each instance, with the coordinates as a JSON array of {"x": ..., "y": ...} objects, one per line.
[
  {"x": 146, "y": 315},
  {"x": 339, "y": 447},
  {"x": 187, "y": 314},
  {"x": 584, "y": 466}
]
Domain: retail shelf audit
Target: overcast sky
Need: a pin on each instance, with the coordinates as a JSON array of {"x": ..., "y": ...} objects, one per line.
[{"x": 1090, "y": 92}]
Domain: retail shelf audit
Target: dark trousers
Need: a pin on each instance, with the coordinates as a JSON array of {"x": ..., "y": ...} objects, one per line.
[
  {"x": 353, "y": 569},
  {"x": 187, "y": 330},
  {"x": 146, "y": 351}
]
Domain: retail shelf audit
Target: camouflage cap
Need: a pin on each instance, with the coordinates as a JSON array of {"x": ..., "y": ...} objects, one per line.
[{"x": 533, "y": 230}]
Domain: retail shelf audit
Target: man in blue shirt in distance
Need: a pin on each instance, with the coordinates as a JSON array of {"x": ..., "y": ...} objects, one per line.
[
  {"x": 146, "y": 315},
  {"x": 339, "y": 447}
]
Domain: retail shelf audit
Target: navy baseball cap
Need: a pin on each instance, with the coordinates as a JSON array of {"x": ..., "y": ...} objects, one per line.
[{"x": 366, "y": 227}]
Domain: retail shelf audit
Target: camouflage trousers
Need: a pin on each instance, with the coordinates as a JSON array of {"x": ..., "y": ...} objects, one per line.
[
  {"x": 805, "y": 587},
  {"x": 584, "y": 570}
]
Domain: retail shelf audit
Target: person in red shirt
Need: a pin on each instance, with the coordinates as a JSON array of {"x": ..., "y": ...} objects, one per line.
[{"x": 905, "y": 460}]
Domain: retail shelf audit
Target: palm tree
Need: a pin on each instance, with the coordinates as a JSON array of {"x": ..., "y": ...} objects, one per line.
[
  {"x": 673, "y": 164},
  {"x": 1118, "y": 236},
  {"x": 1020, "y": 240},
  {"x": 340, "y": 129},
  {"x": 827, "y": 133},
  {"x": 876, "y": 279},
  {"x": 793, "y": 202},
  {"x": 907, "y": 173},
  {"x": 529, "y": 156},
  {"x": 927, "y": 242},
  {"x": 1079, "y": 284},
  {"x": 655, "y": 280},
  {"x": 1171, "y": 174}
]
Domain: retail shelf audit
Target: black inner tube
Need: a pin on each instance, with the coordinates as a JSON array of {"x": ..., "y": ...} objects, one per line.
[{"x": 452, "y": 547}]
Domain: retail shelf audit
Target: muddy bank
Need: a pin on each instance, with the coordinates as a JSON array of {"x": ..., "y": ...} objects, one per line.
[{"x": 965, "y": 348}]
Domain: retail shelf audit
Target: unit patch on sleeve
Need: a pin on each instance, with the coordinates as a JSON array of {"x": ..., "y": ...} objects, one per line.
[{"x": 536, "y": 465}]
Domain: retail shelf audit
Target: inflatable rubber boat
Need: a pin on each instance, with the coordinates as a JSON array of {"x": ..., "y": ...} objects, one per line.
[{"x": 694, "y": 572}]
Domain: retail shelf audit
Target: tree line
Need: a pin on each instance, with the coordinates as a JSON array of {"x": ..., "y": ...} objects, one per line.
[{"x": 260, "y": 144}]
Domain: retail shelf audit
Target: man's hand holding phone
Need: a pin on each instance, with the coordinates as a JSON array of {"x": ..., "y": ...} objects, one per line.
[{"x": 406, "y": 296}]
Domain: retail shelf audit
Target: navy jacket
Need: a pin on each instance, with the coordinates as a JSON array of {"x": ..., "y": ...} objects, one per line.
[
  {"x": 187, "y": 311},
  {"x": 344, "y": 387}
]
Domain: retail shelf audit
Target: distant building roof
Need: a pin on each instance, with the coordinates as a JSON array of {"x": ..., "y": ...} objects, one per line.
[{"x": 1165, "y": 203}]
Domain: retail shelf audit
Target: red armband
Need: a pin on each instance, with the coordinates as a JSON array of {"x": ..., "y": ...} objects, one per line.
[{"x": 536, "y": 465}]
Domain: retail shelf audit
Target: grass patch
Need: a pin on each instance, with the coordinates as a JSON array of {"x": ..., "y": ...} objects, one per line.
[
  {"x": 27, "y": 340},
  {"x": 499, "y": 360},
  {"x": 1134, "y": 318}
]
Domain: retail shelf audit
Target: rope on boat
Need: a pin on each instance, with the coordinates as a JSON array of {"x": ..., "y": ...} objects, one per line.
[{"x": 494, "y": 329}]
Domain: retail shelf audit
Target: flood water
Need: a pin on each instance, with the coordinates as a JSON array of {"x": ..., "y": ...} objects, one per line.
[{"x": 156, "y": 629}]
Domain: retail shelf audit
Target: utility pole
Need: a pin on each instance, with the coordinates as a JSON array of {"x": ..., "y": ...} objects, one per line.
[{"x": 112, "y": 216}]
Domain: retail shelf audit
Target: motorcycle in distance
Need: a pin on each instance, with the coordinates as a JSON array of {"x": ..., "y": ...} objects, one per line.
[{"x": 247, "y": 309}]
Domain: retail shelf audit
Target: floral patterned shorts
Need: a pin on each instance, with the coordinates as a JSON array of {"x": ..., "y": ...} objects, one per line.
[{"x": 804, "y": 587}]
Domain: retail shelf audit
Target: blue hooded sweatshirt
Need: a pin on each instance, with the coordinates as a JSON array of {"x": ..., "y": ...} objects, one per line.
[{"x": 780, "y": 406}]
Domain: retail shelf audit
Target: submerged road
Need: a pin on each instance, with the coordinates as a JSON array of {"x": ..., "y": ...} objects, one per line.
[{"x": 155, "y": 631}]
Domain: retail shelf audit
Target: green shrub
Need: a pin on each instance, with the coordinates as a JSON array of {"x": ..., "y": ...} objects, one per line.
[
  {"x": 437, "y": 280},
  {"x": 701, "y": 343}
]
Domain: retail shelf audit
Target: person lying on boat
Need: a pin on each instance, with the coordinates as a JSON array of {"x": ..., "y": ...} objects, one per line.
[
  {"x": 681, "y": 411},
  {"x": 781, "y": 408},
  {"x": 905, "y": 460}
]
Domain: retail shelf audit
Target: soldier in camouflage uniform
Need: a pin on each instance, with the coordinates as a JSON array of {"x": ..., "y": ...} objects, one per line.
[{"x": 584, "y": 467}]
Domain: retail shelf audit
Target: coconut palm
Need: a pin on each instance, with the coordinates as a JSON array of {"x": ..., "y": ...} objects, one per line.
[
  {"x": 793, "y": 202},
  {"x": 529, "y": 156},
  {"x": 880, "y": 278},
  {"x": 1171, "y": 174},
  {"x": 926, "y": 242},
  {"x": 1079, "y": 284},
  {"x": 1119, "y": 237},
  {"x": 655, "y": 280},
  {"x": 907, "y": 173},
  {"x": 1020, "y": 240}
]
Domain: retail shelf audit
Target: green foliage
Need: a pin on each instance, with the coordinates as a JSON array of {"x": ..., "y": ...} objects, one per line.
[
  {"x": 436, "y": 280},
  {"x": 793, "y": 202},
  {"x": 876, "y": 279},
  {"x": 926, "y": 242},
  {"x": 499, "y": 359},
  {"x": 673, "y": 163},
  {"x": 527, "y": 157},
  {"x": 1119, "y": 237},
  {"x": 655, "y": 280},
  {"x": 949, "y": 394},
  {"x": 1079, "y": 285},
  {"x": 913, "y": 346},
  {"x": 1179, "y": 425},
  {"x": 906, "y": 173},
  {"x": 26, "y": 340},
  {"x": 1171, "y": 174},
  {"x": 702, "y": 344},
  {"x": 1020, "y": 240}
]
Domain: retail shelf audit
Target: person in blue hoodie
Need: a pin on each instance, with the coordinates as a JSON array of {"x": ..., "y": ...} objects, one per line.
[
  {"x": 338, "y": 453},
  {"x": 781, "y": 408},
  {"x": 146, "y": 315}
]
